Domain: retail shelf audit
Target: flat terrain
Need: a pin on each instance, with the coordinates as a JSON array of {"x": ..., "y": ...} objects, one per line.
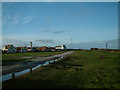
[
  {"x": 83, "y": 69},
  {"x": 18, "y": 57},
  {"x": 22, "y": 65}
]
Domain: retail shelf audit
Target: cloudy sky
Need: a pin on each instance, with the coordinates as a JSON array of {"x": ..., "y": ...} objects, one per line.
[{"x": 48, "y": 23}]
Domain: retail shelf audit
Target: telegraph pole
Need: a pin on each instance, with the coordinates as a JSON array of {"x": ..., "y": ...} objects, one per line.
[
  {"x": 71, "y": 44},
  {"x": 106, "y": 45}
]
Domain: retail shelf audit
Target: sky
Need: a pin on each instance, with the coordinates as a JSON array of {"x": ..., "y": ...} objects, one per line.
[{"x": 89, "y": 24}]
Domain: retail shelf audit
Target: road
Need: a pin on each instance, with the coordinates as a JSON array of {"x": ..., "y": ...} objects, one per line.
[{"x": 20, "y": 66}]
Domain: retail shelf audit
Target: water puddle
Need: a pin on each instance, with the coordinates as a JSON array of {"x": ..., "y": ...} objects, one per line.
[{"x": 9, "y": 76}]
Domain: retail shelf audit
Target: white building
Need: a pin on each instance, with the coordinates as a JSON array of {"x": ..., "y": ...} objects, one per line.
[
  {"x": 9, "y": 49},
  {"x": 62, "y": 47}
]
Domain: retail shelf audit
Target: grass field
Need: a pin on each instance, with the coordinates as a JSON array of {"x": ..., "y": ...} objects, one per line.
[
  {"x": 17, "y": 57},
  {"x": 83, "y": 69}
]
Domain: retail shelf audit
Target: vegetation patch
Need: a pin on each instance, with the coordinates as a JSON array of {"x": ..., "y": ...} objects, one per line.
[
  {"x": 83, "y": 69},
  {"x": 12, "y": 58}
]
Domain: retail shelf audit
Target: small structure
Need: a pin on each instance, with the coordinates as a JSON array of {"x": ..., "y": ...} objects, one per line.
[
  {"x": 29, "y": 49},
  {"x": 0, "y": 51},
  {"x": 62, "y": 47},
  {"x": 21, "y": 49},
  {"x": 94, "y": 48},
  {"x": 9, "y": 49},
  {"x": 38, "y": 49},
  {"x": 52, "y": 49},
  {"x": 34, "y": 49},
  {"x": 44, "y": 48}
]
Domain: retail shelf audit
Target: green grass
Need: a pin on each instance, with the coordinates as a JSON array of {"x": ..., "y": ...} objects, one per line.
[
  {"x": 83, "y": 69},
  {"x": 16, "y": 57},
  {"x": 30, "y": 54}
]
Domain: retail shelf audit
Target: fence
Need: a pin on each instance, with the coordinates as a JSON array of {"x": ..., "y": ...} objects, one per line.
[{"x": 8, "y": 74}]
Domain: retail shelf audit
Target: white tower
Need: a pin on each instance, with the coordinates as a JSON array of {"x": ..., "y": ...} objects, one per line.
[{"x": 31, "y": 45}]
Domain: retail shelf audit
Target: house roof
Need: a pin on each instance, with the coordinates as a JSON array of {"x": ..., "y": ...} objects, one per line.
[
  {"x": 8, "y": 46},
  {"x": 58, "y": 46},
  {"x": 19, "y": 48},
  {"x": 51, "y": 47},
  {"x": 42, "y": 48}
]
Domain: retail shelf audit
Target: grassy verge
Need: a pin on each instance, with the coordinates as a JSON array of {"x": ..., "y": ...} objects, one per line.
[
  {"x": 16, "y": 57},
  {"x": 83, "y": 69}
]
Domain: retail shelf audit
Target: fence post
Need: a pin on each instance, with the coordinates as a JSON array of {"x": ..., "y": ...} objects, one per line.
[
  {"x": 42, "y": 64},
  {"x": 30, "y": 70},
  {"x": 13, "y": 76},
  {"x": 49, "y": 61}
]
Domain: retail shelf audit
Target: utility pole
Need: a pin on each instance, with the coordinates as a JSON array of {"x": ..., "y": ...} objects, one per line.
[
  {"x": 106, "y": 45},
  {"x": 71, "y": 44}
]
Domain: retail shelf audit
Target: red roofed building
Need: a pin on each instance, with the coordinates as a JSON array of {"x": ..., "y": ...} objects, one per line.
[
  {"x": 9, "y": 49},
  {"x": 42, "y": 48},
  {"x": 21, "y": 49},
  {"x": 52, "y": 49}
]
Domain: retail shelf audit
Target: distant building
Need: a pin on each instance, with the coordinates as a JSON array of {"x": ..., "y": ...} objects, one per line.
[
  {"x": 94, "y": 49},
  {"x": 52, "y": 49},
  {"x": 21, "y": 49},
  {"x": 0, "y": 51},
  {"x": 62, "y": 47},
  {"x": 38, "y": 48},
  {"x": 9, "y": 49},
  {"x": 43, "y": 48},
  {"x": 29, "y": 49},
  {"x": 34, "y": 49}
]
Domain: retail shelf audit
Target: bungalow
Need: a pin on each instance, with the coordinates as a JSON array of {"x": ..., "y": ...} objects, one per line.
[
  {"x": 29, "y": 49},
  {"x": 21, "y": 49},
  {"x": 42, "y": 48},
  {"x": 33, "y": 49},
  {"x": 52, "y": 49},
  {"x": 38, "y": 49},
  {"x": 9, "y": 49}
]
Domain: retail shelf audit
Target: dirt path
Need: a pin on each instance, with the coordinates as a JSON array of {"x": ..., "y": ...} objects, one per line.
[{"x": 20, "y": 66}]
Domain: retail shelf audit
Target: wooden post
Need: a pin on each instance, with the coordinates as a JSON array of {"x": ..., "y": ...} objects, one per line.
[
  {"x": 42, "y": 64},
  {"x": 54, "y": 59},
  {"x": 13, "y": 76},
  {"x": 30, "y": 70},
  {"x": 49, "y": 61}
]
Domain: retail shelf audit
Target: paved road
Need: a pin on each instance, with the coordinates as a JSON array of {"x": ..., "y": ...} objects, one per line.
[{"x": 20, "y": 66}]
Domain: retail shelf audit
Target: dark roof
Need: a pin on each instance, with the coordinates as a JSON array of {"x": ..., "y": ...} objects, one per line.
[{"x": 8, "y": 46}]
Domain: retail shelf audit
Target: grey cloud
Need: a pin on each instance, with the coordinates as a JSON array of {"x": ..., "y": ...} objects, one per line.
[
  {"x": 47, "y": 41},
  {"x": 59, "y": 32},
  {"x": 46, "y": 30}
]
